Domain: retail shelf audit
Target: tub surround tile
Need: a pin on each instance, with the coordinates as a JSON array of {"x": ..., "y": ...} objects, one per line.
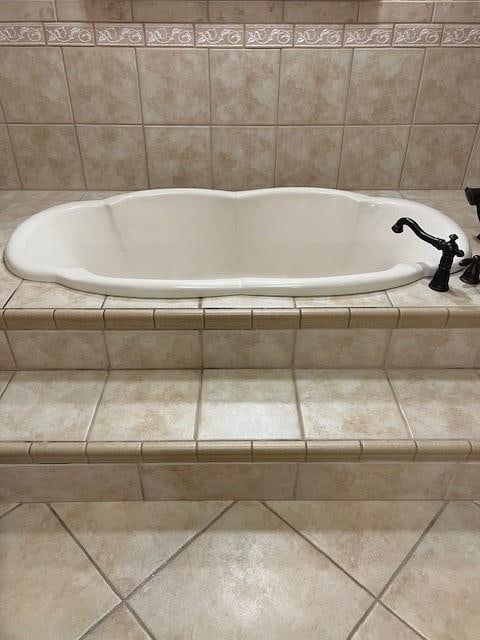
[
  {"x": 410, "y": 11},
  {"x": 162, "y": 69},
  {"x": 103, "y": 85},
  {"x": 33, "y": 85},
  {"x": 244, "y": 86},
  {"x": 247, "y": 302},
  {"x": 320, "y": 11},
  {"x": 333, "y": 450},
  {"x": 397, "y": 450},
  {"x": 473, "y": 171},
  {"x": 15, "y": 453},
  {"x": 120, "y": 623},
  {"x": 228, "y": 319},
  {"x": 47, "y": 295},
  {"x": 457, "y": 11},
  {"x": 154, "y": 349},
  {"x": 49, "y": 405},
  {"x": 427, "y": 585},
  {"x": 173, "y": 319},
  {"x": 79, "y": 319},
  {"x": 8, "y": 284},
  {"x": 467, "y": 482},
  {"x": 310, "y": 143},
  {"x": 128, "y": 319},
  {"x": 243, "y": 157},
  {"x": 237, "y": 574},
  {"x": 338, "y": 529},
  {"x": 58, "y": 452},
  {"x": 8, "y": 170},
  {"x": 113, "y": 302},
  {"x": 147, "y": 405},
  {"x": 374, "y": 481},
  {"x": 226, "y": 451},
  {"x": 217, "y": 481},
  {"x": 372, "y": 157},
  {"x": 58, "y": 349},
  {"x": 425, "y": 318},
  {"x": 418, "y": 294},
  {"x": 177, "y": 451},
  {"x": 368, "y": 35},
  {"x": 113, "y": 156},
  {"x": 69, "y": 482},
  {"x": 164, "y": 11},
  {"x": 27, "y": 10},
  {"x": 17, "y": 206},
  {"x": 326, "y": 318},
  {"x": 301, "y": 74},
  {"x": 100, "y": 195},
  {"x": 6, "y": 356},
  {"x": 248, "y": 349},
  {"x": 40, "y": 561},
  {"x": 179, "y": 156},
  {"x": 438, "y": 403},
  {"x": 439, "y": 348},
  {"x": 129, "y": 541},
  {"x": 375, "y": 299},
  {"x": 101, "y": 10},
  {"x": 29, "y": 319},
  {"x": 446, "y": 167},
  {"x": 341, "y": 348},
  {"x": 248, "y": 404},
  {"x": 47, "y": 155},
  {"x": 348, "y": 404},
  {"x": 372, "y": 97}
]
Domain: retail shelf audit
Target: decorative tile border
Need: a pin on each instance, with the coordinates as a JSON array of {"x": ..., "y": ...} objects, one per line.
[
  {"x": 358, "y": 451},
  {"x": 463, "y": 35},
  {"x": 239, "y": 35},
  {"x": 21, "y": 33},
  {"x": 417, "y": 35},
  {"x": 120, "y": 35},
  {"x": 70, "y": 33},
  {"x": 318, "y": 35}
]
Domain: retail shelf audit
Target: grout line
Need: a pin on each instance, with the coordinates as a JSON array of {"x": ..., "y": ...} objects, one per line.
[
  {"x": 140, "y": 475},
  {"x": 476, "y": 138},
  {"x": 347, "y": 97},
  {"x": 97, "y": 405},
  {"x": 321, "y": 551},
  {"x": 105, "y": 344},
  {"x": 210, "y": 119},
  {"x": 15, "y": 506},
  {"x": 139, "y": 620},
  {"x": 7, "y": 338},
  {"x": 405, "y": 622},
  {"x": 399, "y": 405},
  {"x": 198, "y": 409},
  {"x": 179, "y": 551},
  {"x": 98, "y": 622},
  {"x": 299, "y": 406},
  {"x": 277, "y": 112},
  {"x": 142, "y": 123}
]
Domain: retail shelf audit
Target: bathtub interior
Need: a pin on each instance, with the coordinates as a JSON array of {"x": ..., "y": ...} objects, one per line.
[{"x": 201, "y": 234}]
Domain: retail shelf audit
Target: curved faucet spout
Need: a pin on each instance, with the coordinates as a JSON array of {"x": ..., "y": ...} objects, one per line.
[{"x": 419, "y": 232}]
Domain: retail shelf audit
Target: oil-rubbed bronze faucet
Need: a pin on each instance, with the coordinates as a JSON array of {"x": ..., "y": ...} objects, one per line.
[
  {"x": 449, "y": 249},
  {"x": 473, "y": 198}
]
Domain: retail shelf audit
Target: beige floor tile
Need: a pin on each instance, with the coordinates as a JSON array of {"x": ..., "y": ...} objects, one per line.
[
  {"x": 248, "y": 403},
  {"x": 247, "y": 302},
  {"x": 418, "y": 294},
  {"x": 348, "y": 403},
  {"x": 48, "y": 588},
  {"x": 367, "y": 539},
  {"x": 148, "y": 405},
  {"x": 47, "y": 295},
  {"x": 113, "y": 302},
  {"x": 121, "y": 624},
  {"x": 382, "y": 625},
  {"x": 438, "y": 590},
  {"x": 16, "y": 206},
  {"x": 253, "y": 588},
  {"x": 6, "y": 506},
  {"x": 376, "y": 299},
  {"x": 49, "y": 405},
  {"x": 129, "y": 541},
  {"x": 439, "y": 403}
]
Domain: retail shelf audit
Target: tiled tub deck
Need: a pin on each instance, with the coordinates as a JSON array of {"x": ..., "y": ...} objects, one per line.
[{"x": 358, "y": 397}]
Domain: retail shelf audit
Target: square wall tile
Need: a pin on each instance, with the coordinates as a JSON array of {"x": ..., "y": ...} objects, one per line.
[
  {"x": 372, "y": 157},
  {"x": 313, "y": 86},
  {"x": 437, "y": 156},
  {"x": 473, "y": 171},
  {"x": 168, "y": 11},
  {"x": 312, "y": 11},
  {"x": 453, "y": 73},
  {"x": 447, "y": 348},
  {"x": 101, "y": 10},
  {"x": 308, "y": 156},
  {"x": 113, "y": 156},
  {"x": 69, "y": 482},
  {"x": 174, "y": 86},
  {"x": 243, "y": 157},
  {"x": 58, "y": 349},
  {"x": 439, "y": 403},
  {"x": 244, "y": 86},
  {"x": 154, "y": 349},
  {"x": 8, "y": 170},
  {"x": 21, "y": 10},
  {"x": 33, "y": 85},
  {"x": 103, "y": 84},
  {"x": 47, "y": 156},
  {"x": 348, "y": 403},
  {"x": 179, "y": 156},
  {"x": 216, "y": 481},
  {"x": 49, "y": 405},
  {"x": 373, "y": 11},
  {"x": 245, "y": 11},
  {"x": 337, "y": 348},
  {"x": 374, "y": 96},
  {"x": 248, "y": 349},
  {"x": 248, "y": 404},
  {"x": 147, "y": 405}
]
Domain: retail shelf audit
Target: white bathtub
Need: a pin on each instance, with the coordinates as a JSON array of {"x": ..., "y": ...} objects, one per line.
[{"x": 194, "y": 242}]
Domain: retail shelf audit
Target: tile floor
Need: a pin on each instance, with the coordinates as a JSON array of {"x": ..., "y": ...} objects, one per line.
[
  {"x": 239, "y": 404},
  {"x": 212, "y": 570}
]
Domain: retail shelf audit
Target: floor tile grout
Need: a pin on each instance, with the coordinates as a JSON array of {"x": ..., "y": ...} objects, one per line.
[
  {"x": 15, "y": 506},
  {"x": 97, "y": 405},
  {"x": 399, "y": 405},
  {"x": 98, "y": 622}
]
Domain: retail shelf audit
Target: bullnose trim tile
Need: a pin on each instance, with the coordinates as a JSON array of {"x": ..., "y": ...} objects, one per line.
[
  {"x": 422, "y": 318},
  {"x": 228, "y": 318},
  {"x": 15, "y": 452},
  {"x": 375, "y": 318},
  {"x": 79, "y": 319},
  {"x": 178, "y": 319},
  {"x": 119, "y": 452},
  {"x": 25, "y": 319},
  {"x": 181, "y": 451},
  {"x": 224, "y": 451},
  {"x": 58, "y": 452},
  {"x": 388, "y": 450},
  {"x": 279, "y": 451},
  {"x": 463, "y": 318},
  {"x": 433, "y": 450},
  {"x": 128, "y": 319},
  {"x": 324, "y": 318},
  {"x": 333, "y": 450},
  {"x": 276, "y": 318}
]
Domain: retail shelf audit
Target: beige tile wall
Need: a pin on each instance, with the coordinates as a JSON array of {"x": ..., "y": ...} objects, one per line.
[{"x": 395, "y": 107}]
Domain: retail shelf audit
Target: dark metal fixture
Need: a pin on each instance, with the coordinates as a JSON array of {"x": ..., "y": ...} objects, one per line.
[
  {"x": 449, "y": 249},
  {"x": 473, "y": 197},
  {"x": 471, "y": 275}
]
